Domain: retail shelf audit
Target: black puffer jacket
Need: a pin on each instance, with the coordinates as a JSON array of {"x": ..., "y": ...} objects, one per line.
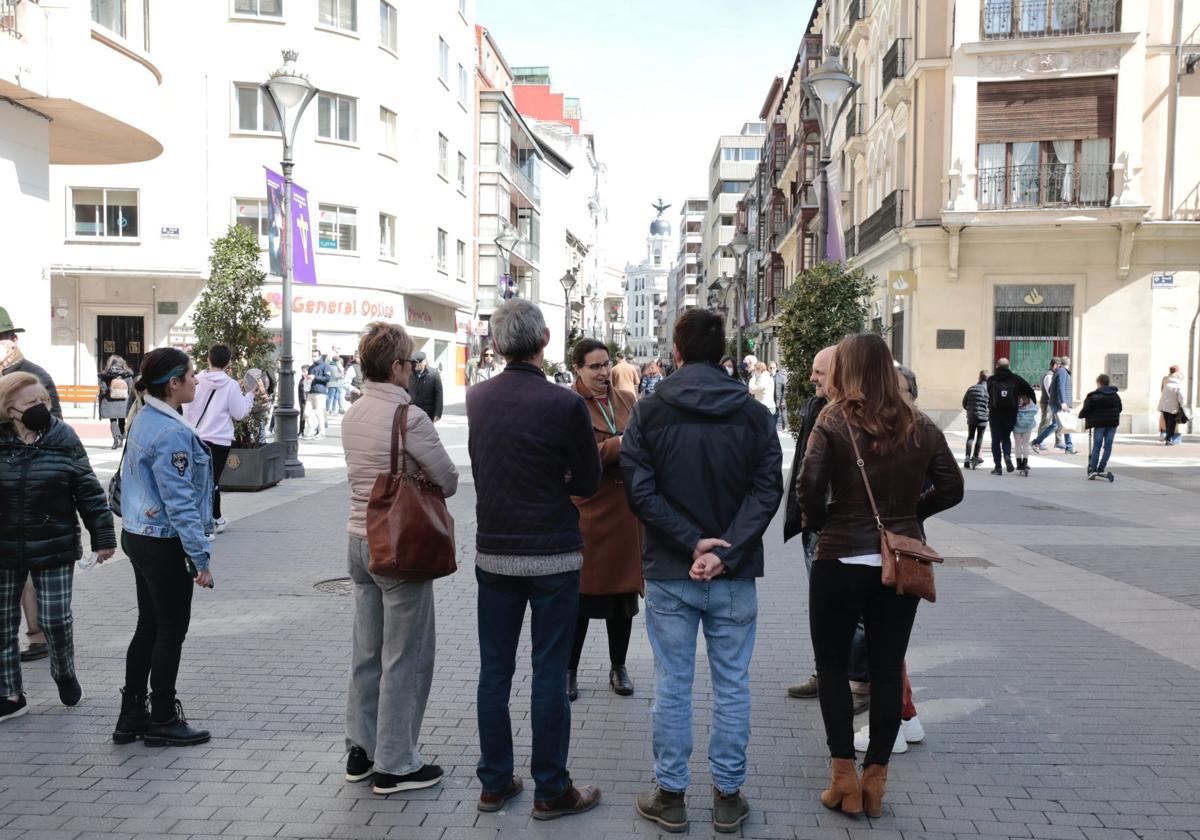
[
  {"x": 975, "y": 402},
  {"x": 1101, "y": 409},
  {"x": 42, "y": 485}
]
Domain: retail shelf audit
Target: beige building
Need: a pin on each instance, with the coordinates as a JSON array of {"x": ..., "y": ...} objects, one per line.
[{"x": 1018, "y": 175}]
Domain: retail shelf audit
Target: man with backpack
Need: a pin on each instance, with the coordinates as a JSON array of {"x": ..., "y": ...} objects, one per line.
[{"x": 1004, "y": 390}]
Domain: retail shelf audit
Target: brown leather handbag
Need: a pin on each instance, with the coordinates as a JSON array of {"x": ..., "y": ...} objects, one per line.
[
  {"x": 907, "y": 562},
  {"x": 410, "y": 532}
]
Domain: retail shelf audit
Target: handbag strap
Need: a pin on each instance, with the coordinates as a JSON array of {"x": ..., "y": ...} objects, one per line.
[
  {"x": 858, "y": 459},
  {"x": 399, "y": 437},
  {"x": 204, "y": 410}
]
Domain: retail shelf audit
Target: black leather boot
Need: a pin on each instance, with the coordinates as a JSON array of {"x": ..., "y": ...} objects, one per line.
[
  {"x": 134, "y": 717},
  {"x": 618, "y": 678},
  {"x": 174, "y": 732},
  {"x": 572, "y": 686}
]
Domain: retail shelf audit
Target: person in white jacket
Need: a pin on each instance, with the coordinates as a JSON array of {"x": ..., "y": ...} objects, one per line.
[
  {"x": 218, "y": 403},
  {"x": 1171, "y": 404},
  {"x": 762, "y": 386}
]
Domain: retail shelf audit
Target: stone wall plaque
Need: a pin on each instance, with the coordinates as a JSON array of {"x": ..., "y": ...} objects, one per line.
[
  {"x": 1116, "y": 365},
  {"x": 951, "y": 339}
]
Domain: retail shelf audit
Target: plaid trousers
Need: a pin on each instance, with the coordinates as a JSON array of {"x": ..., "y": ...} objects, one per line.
[{"x": 54, "y": 614}]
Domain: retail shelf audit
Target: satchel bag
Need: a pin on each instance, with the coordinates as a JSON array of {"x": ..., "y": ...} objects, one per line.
[
  {"x": 907, "y": 562},
  {"x": 410, "y": 533}
]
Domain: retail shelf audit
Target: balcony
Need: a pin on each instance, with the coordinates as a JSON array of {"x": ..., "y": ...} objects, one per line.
[
  {"x": 883, "y": 221},
  {"x": 895, "y": 64},
  {"x": 1048, "y": 185},
  {"x": 1009, "y": 19},
  {"x": 857, "y": 12},
  {"x": 855, "y": 126}
]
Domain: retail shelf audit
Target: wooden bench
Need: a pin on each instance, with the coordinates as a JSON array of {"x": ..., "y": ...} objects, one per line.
[{"x": 80, "y": 394}]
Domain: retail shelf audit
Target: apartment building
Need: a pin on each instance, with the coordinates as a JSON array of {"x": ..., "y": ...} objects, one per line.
[
  {"x": 730, "y": 172},
  {"x": 1014, "y": 174},
  {"x": 80, "y": 89},
  {"x": 384, "y": 152},
  {"x": 683, "y": 292}
]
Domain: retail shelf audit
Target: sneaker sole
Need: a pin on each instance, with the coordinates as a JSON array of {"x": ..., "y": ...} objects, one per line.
[
  {"x": 15, "y": 714},
  {"x": 174, "y": 742},
  {"x": 673, "y": 828},
  {"x": 553, "y": 815},
  {"x": 350, "y": 777},
  {"x": 403, "y": 786}
]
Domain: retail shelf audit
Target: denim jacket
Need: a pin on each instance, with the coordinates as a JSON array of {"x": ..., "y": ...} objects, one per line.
[{"x": 166, "y": 481}]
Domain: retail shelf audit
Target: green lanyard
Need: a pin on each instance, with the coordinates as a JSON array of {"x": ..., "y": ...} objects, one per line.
[{"x": 604, "y": 412}]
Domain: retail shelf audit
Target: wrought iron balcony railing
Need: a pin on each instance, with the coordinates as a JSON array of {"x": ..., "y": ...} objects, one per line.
[
  {"x": 1047, "y": 185},
  {"x": 854, "y": 120},
  {"x": 882, "y": 221},
  {"x": 893, "y": 66},
  {"x": 1004, "y": 19},
  {"x": 8, "y": 18}
]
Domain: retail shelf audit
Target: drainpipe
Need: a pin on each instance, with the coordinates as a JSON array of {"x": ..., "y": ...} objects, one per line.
[
  {"x": 1191, "y": 381},
  {"x": 1173, "y": 112}
]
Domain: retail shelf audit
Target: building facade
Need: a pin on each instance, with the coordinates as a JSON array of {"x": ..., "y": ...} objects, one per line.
[
  {"x": 730, "y": 172},
  {"x": 646, "y": 290}
]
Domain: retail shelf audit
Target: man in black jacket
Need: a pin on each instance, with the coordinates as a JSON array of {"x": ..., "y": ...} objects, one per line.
[
  {"x": 1004, "y": 388},
  {"x": 425, "y": 387},
  {"x": 703, "y": 471},
  {"x": 1101, "y": 413}
]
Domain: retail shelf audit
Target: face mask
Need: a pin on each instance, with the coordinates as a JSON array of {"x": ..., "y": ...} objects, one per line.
[{"x": 36, "y": 418}]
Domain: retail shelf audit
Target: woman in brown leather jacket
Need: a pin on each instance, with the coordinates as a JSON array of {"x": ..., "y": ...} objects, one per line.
[{"x": 903, "y": 452}]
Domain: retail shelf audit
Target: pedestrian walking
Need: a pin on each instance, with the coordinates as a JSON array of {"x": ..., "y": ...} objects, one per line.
[
  {"x": 762, "y": 387},
  {"x": 166, "y": 504},
  {"x": 1101, "y": 413},
  {"x": 532, "y": 448},
  {"x": 46, "y": 482},
  {"x": 425, "y": 387},
  {"x": 903, "y": 451},
  {"x": 975, "y": 403},
  {"x": 1061, "y": 391},
  {"x": 652, "y": 375},
  {"x": 562, "y": 376},
  {"x": 307, "y": 413},
  {"x": 728, "y": 365},
  {"x": 352, "y": 381},
  {"x": 116, "y": 383},
  {"x": 1027, "y": 418},
  {"x": 704, "y": 519},
  {"x": 487, "y": 367},
  {"x": 394, "y": 639},
  {"x": 319, "y": 374},
  {"x": 625, "y": 376},
  {"x": 218, "y": 404},
  {"x": 333, "y": 394},
  {"x": 1171, "y": 406},
  {"x": 1004, "y": 390},
  {"x": 1046, "y": 418},
  {"x": 780, "y": 377},
  {"x": 611, "y": 579}
]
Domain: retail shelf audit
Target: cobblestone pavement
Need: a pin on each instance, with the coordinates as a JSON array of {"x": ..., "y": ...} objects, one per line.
[{"x": 1058, "y": 677}]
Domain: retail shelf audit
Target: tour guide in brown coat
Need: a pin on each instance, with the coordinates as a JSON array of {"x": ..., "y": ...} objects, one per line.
[{"x": 611, "y": 578}]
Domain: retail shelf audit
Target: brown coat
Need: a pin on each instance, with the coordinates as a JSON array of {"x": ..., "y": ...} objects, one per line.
[
  {"x": 612, "y": 535},
  {"x": 625, "y": 377}
]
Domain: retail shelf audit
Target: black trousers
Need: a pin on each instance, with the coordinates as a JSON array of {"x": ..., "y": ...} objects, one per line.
[
  {"x": 838, "y": 594},
  {"x": 975, "y": 436},
  {"x": 1170, "y": 422},
  {"x": 1001, "y": 438},
  {"x": 619, "y": 631},
  {"x": 164, "y": 597},
  {"x": 220, "y": 454}
]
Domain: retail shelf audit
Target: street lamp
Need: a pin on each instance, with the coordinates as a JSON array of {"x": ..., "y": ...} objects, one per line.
[
  {"x": 288, "y": 90},
  {"x": 568, "y": 284},
  {"x": 833, "y": 87},
  {"x": 506, "y": 242},
  {"x": 740, "y": 245}
]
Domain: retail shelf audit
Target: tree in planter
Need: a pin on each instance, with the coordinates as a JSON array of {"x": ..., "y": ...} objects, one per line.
[
  {"x": 232, "y": 311},
  {"x": 823, "y": 306}
]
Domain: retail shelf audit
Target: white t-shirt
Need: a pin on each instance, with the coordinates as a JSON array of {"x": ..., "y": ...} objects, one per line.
[{"x": 863, "y": 560}]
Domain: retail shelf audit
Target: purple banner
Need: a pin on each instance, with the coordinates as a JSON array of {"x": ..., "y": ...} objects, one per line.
[
  {"x": 835, "y": 243},
  {"x": 304, "y": 269}
]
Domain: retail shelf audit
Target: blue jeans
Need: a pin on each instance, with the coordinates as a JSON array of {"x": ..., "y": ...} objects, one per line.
[
  {"x": 1055, "y": 427},
  {"x": 554, "y": 602},
  {"x": 333, "y": 398},
  {"x": 859, "y": 667},
  {"x": 728, "y": 611},
  {"x": 1102, "y": 439}
]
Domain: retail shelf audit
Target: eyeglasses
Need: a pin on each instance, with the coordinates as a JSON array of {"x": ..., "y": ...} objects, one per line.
[
  {"x": 599, "y": 366},
  {"x": 488, "y": 355}
]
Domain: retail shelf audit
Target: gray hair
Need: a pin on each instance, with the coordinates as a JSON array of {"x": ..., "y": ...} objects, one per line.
[
  {"x": 910, "y": 378},
  {"x": 518, "y": 330}
]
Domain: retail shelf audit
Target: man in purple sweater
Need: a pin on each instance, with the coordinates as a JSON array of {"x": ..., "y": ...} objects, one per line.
[{"x": 532, "y": 448}]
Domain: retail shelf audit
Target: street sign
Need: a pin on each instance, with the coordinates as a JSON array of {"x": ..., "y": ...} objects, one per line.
[{"x": 1162, "y": 281}]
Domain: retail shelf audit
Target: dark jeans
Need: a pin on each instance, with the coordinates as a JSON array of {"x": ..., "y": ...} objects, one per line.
[
  {"x": 858, "y": 647},
  {"x": 619, "y": 631},
  {"x": 838, "y": 594},
  {"x": 1001, "y": 430},
  {"x": 1170, "y": 422},
  {"x": 974, "y": 435},
  {"x": 554, "y": 602},
  {"x": 164, "y": 597},
  {"x": 1101, "y": 449},
  {"x": 220, "y": 454}
]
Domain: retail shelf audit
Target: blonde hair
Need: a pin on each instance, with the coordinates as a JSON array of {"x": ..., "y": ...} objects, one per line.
[
  {"x": 11, "y": 384},
  {"x": 759, "y": 367},
  {"x": 381, "y": 345}
]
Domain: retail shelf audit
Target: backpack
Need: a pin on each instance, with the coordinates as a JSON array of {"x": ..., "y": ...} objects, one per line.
[{"x": 1027, "y": 417}]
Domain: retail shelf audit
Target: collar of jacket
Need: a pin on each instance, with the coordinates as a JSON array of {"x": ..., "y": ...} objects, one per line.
[
  {"x": 159, "y": 405},
  {"x": 387, "y": 392},
  {"x": 524, "y": 367}
]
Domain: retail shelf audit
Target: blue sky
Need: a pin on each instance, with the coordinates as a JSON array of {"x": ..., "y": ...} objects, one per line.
[{"x": 658, "y": 82}]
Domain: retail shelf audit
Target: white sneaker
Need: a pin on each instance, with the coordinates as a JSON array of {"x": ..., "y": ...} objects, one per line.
[
  {"x": 912, "y": 730},
  {"x": 221, "y": 524},
  {"x": 862, "y": 739}
]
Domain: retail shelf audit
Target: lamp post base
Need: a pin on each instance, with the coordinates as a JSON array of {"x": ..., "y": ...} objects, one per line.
[{"x": 287, "y": 428}]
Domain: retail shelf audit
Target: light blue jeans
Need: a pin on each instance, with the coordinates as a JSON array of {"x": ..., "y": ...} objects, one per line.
[{"x": 728, "y": 612}]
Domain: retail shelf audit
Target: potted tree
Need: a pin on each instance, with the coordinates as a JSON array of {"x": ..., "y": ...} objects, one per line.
[{"x": 232, "y": 311}]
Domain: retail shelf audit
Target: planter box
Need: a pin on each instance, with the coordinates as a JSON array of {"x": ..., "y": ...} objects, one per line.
[{"x": 253, "y": 469}]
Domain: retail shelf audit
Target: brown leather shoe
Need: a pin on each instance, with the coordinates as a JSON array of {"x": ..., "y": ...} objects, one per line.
[
  {"x": 495, "y": 801},
  {"x": 844, "y": 792},
  {"x": 573, "y": 801},
  {"x": 874, "y": 785}
]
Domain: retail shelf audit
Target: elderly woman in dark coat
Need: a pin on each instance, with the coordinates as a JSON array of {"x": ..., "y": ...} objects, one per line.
[
  {"x": 45, "y": 480},
  {"x": 611, "y": 578}
]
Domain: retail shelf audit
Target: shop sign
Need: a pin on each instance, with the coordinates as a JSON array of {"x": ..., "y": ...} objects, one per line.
[
  {"x": 423, "y": 315},
  {"x": 336, "y": 307},
  {"x": 902, "y": 282}
]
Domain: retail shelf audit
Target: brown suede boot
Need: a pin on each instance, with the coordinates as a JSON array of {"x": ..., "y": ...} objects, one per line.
[
  {"x": 874, "y": 782},
  {"x": 844, "y": 791}
]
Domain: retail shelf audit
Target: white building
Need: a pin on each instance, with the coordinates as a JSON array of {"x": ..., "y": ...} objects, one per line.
[
  {"x": 646, "y": 289},
  {"x": 730, "y": 173},
  {"x": 385, "y": 153}
]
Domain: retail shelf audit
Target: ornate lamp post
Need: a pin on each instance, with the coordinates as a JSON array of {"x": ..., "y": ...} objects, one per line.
[
  {"x": 831, "y": 86},
  {"x": 288, "y": 90},
  {"x": 506, "y": 242},
  {"x": 568, "y": 283}
]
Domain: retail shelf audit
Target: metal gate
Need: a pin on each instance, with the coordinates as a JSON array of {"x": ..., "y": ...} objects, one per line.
[
  {"x": 122, "y": 335},
  {"x": 1029, "y": 335}
]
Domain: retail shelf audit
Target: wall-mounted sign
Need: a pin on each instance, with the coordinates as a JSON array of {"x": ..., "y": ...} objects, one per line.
[
  {"x": 1034, "y": 298},
  {"x": 333, "y": 308},
  {"x": 951, "y": 339},
  {"x": 169, "y": 232},
  {"x": 1162, "y": 281},
  {"x": 168, "y": 307},
  {"x": 902, "y": 282}
]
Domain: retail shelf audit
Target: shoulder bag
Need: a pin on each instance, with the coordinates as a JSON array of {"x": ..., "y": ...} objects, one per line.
[
  {"x": 907, "y": 562},
  {"x": 410, "y": 533}
]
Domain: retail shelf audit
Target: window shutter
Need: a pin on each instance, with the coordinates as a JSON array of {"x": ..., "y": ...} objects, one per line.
[{"x": 1047, "y": 109}]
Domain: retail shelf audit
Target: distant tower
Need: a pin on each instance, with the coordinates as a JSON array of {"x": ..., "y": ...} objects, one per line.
[{"x": 646, "y": 288}]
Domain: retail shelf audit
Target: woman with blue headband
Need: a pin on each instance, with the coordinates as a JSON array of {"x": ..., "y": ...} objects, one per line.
[{"x": 166, "y": 505}]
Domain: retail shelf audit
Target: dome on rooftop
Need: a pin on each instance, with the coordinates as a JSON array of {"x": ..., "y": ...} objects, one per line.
[{"x": 660, "y": 227}]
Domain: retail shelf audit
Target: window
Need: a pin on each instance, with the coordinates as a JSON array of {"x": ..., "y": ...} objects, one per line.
[
  {"x": 462, "y": 7},
  {"x": 251, "y": 213},
  {"x": 259, "y": 8},
  {"x": 387, "y": 132},
  {"x": 338, "y": 14},
  {"x": 336, "y": 117},
  {"x": 740, "y": 154},
  {"x": 254, "y": 112},
  {"x": 110, "y": 14},
  {"x": 337, "y": 228},
  {"x": 462, "y": 86},
  {"x": 105, "y": 213},
  {"x": 1047, "y": 173},
  {"x": 444, "y": 61},
  {"x": 387, "y": 235},
  {"x": 462, "y": 172},
  {"x": 387, "y": 26},
  {"x": 461, "y": 249},
  {"x": 441, "y": 254},
  {"x": 443, "y": 157}
]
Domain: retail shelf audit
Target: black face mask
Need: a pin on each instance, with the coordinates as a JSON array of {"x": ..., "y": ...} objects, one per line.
[{"x": 36, "y": 418}]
